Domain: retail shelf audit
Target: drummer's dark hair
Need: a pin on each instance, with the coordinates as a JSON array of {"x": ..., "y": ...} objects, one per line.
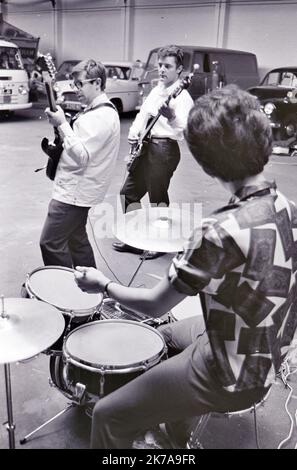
[{"x": 228, "y": 134}]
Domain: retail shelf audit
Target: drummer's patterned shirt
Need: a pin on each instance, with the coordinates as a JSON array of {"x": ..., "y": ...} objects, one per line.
[{"x": 245, "y": 263}]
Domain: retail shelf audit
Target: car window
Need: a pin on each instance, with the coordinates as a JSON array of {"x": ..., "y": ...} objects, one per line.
[
  {"x": 272, "y": 79},
  {"x": 121, "y": 73},
  {"x": 288, "y": 79},
  {"x": 65, "y": 69}
]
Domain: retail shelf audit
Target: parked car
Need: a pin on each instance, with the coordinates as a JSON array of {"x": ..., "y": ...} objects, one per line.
[
  {"x": 277, "y": 94},
  {"x": 121, "y": 85}
]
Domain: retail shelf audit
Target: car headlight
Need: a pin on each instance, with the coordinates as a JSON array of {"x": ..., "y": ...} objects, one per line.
[
  {"x": 22, "y": 90},
  {"x": 56, "y": 87},
  {"x": 269, "y": 108}
]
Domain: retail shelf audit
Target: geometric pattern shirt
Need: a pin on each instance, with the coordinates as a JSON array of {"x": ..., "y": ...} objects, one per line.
[{"x": 245, "y": 263}]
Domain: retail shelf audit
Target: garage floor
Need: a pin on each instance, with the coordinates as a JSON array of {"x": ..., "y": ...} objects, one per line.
[{"x": 24, "y": 196}]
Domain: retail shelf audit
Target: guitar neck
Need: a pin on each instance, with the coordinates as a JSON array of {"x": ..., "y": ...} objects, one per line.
[
  {"x": 50, "y": 97},
  {"x": 155, "y": 119}
]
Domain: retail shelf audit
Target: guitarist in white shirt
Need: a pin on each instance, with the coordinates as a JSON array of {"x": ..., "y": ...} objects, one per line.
[
  {"x": 157, "y": 164},
  {"x": 84, "y": 170}
]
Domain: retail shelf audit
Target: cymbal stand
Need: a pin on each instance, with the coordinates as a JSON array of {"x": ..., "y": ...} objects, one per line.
[
  {"x": 143, "y": 258},
  {"x": 9, "y": 423},
  {"x": 26, "y": 438}
]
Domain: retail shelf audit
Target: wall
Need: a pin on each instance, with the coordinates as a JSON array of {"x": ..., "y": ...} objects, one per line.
[{"x": 128, "y": 29}]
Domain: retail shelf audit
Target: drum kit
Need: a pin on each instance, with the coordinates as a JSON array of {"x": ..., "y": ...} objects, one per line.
[{"x": 89, "y": 356}]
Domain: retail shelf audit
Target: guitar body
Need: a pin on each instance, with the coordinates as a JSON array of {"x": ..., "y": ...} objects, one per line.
[
  {"x": 53, "y": 151},
  {"x": 137, "y": 153}
]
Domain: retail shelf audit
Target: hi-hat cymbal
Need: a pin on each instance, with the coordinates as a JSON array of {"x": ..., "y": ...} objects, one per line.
[
  {"x": 29, "y": 327},
  {"x": 164, "y": 229}
]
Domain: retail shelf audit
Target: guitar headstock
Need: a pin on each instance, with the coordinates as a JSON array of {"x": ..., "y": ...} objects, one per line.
[{"x": 47, "y": 66}]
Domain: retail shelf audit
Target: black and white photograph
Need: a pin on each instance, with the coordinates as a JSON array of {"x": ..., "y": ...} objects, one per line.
[{"x": 148, "y": 234}]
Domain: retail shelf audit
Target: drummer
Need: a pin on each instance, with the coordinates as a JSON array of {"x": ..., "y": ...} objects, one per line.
[{"x": 244, "y": 265}]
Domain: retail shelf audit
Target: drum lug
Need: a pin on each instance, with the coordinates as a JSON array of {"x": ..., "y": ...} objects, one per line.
[{"x": 79, "y": 393}]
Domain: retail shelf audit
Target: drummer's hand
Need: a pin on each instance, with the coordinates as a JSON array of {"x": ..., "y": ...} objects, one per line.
[
  {"x": 56, "y": 118},
  {"x": 90, "y": 279}
]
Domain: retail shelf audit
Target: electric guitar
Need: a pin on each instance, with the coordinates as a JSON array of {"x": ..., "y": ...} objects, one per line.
[
  {"x": 138, "y": 149},
  {"x": 52, "y": 149}
]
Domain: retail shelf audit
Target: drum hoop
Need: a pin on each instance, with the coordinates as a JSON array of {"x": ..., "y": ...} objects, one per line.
[
  {"x": 72, "y": 313},
  {"x": 114, "y": 369}
]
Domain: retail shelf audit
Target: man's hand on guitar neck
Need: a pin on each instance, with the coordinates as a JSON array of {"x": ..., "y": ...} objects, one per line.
[
  {"x": 56, "y": 118},
  {"x": 168, "y": 112},
  {"x": 133, "y": 139}
]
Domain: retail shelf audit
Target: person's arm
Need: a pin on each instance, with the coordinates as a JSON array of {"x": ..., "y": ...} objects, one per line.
[
  {"x": 89, "y": 136},
  {"x": 177, "y": 111},
  {"x": 139, "y": 124},
  {"x": 152, "y": 302}
]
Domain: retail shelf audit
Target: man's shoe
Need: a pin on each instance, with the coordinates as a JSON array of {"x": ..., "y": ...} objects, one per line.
[
  {"x": 152, "y": 254},
  {"x": 123, "y": 247}
]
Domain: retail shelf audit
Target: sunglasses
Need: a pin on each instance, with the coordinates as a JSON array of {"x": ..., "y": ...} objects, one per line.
[{"x": 80, "y": 83}]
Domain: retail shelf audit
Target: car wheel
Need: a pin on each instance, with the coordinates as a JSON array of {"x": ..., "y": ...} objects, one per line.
[
  {"x": 290, "y": 124},
  {"x": 118, "y": 104}
]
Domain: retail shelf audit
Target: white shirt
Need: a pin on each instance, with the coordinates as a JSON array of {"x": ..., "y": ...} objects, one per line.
[
  {"x": 90, "y": 151},
  {"x": 163, "y": 128}
]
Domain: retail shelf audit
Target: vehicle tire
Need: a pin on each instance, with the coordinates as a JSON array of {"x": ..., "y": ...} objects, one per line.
[
  {"x": 118, "y": 104},
  {"x": 290, "y": 124}
]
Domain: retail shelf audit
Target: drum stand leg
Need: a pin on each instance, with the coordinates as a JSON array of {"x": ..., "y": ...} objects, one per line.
[
  {"x": 26, "y": 438},
  {"x": 138, "y": 268},
  {"x": 9, "y": 424}
]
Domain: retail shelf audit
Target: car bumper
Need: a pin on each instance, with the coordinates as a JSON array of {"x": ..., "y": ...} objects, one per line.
[
  {"x": 71, "y": 106},
  {"x": 14, "y": 107}
]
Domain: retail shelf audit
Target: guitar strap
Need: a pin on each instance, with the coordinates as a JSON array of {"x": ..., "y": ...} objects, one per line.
[{"x": 86, "y": 110}]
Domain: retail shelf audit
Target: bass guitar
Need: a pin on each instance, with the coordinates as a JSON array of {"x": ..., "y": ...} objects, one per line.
[
  {"x": 52, "y": 149},
  {"x": 138, "y": 149}
]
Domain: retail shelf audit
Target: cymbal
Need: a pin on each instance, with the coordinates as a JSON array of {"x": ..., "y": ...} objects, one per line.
[
  {"x": 164, "y": 229},
  {"x": 29, "y": 327}
]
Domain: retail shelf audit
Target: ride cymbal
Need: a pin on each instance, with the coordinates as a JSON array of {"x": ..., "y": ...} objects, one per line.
[
  {"x": 27, "y": 327},
  {"x": 161, "y": 229}
]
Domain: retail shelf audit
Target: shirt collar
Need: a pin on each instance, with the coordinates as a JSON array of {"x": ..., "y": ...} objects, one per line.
[
  {"x": 246, "y": 192},
  {"x": 102, "y": 98},
  {"x": 170, "y": 89}
]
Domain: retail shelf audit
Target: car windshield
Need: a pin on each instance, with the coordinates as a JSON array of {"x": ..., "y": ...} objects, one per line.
[
  {"x": 65, "y": 69},
  {"x": 10, "y": 59},
  {"x": 281, "y": 78}
]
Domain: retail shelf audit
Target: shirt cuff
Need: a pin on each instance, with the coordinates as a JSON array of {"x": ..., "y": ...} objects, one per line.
[{"x": 65, "y": 130}]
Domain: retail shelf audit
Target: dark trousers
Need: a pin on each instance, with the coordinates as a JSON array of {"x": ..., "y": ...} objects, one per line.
[
  {"x": 64, "y": 240},
  {"x": 176, "y": 389},
  {"x": 152, "y": 175}
]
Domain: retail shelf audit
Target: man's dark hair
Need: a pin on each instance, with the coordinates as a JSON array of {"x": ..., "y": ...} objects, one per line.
[
  {"x": 94, "y": 69},
  {"x": 172, "y": 51},
  {"x": 228, "y": 134}
]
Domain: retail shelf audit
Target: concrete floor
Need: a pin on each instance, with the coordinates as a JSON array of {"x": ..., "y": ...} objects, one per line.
[{"x": 24, "y": 196}]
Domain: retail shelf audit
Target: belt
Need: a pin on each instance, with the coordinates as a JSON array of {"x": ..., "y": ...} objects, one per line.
[{"x": 157, "y": 139}]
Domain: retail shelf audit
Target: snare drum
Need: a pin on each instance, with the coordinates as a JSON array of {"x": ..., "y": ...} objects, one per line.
[
  {"x": 101, "y": 356},
  {"x": 56, "y": 286}
]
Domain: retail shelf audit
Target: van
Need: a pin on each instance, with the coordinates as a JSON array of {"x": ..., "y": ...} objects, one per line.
[
  {"x": 14, "y": 80},
  {"x": 213, "y": 68}
]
